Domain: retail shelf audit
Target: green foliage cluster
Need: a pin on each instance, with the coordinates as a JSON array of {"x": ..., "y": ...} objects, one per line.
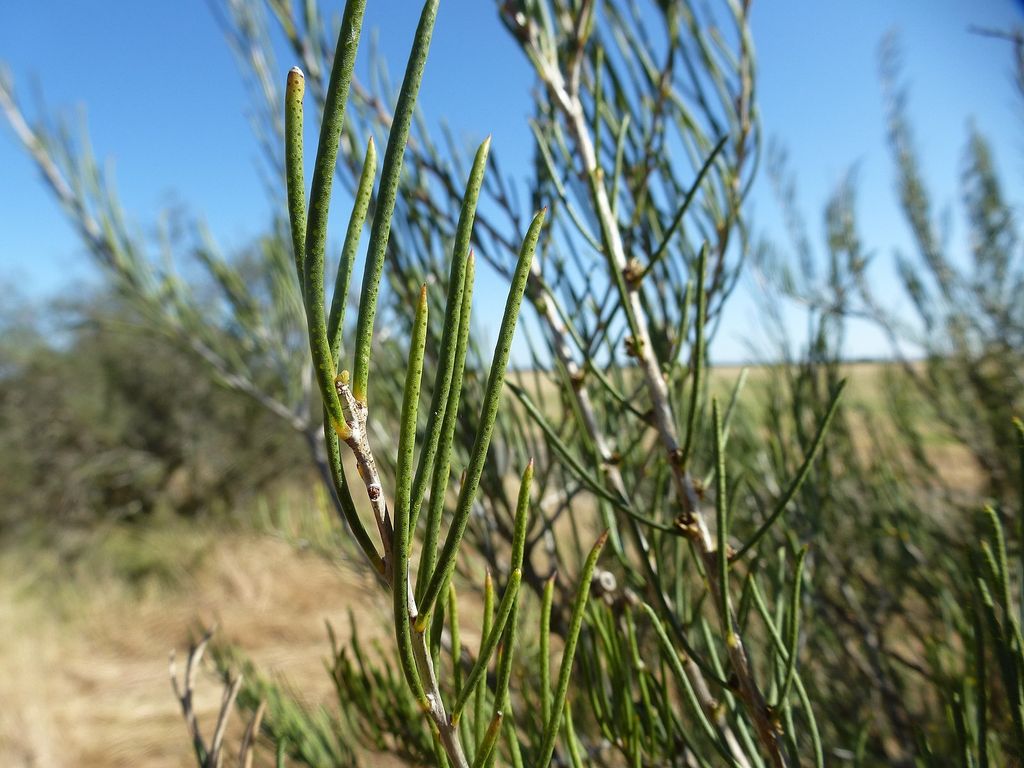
[
  {"x": 912, "y": 551},
  {"x": 778, "y": 585}
]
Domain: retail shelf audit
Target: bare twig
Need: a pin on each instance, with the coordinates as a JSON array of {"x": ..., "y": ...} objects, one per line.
[
  {"x": 208, "y": 756},
  {"x": 245, "y": 754}
]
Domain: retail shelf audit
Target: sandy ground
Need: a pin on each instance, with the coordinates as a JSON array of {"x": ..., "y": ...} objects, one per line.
[{"x": 87, "y": 685}]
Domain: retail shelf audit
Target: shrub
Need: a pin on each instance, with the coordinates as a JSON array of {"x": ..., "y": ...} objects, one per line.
[
  {"x": 769, "y": 595},
  {"x": 907, "y": 549},
  {"x": 99, "y": 424}
]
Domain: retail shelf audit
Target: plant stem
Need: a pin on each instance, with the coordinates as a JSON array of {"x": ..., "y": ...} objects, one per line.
[{"x": 565, "y": 96}]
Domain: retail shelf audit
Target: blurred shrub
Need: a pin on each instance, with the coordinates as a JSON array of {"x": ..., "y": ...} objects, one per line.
[{"x": 95, "y": 424}]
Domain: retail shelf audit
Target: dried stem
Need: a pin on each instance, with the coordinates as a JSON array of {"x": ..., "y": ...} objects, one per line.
[
  {"x": 356, "y": 414},
  {"x": 209, "y": 756},
  {"x": 566, "y": 97}
]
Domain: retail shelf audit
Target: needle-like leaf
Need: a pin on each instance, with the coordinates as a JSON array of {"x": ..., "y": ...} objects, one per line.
[
  {"x": 294, "y": 174},
  {"x": 442, "y": 467},
  {"x": 697, "y": 360},
  {"x": 387, "y": 196},
  {"x": 319, "y": 205},
  {"x": 801, "y": 475},
  {"x": 487, "y": 745},
  {"x": 488, "y": 413},
  {"x": 336, "y": 317},
  {"x": 401, "y": 588},
  {"x": 490, "y": 642},
  {"x": 553, "y": 723},
  {"x": 722, "y": 520},
  {"x": 793, "y": 628},
  {"x": 662, "y": 249},
  {"x": 508, "y": 641},
  {"x": 450, "y": 335},
  {"x": 547, "y": 598}
]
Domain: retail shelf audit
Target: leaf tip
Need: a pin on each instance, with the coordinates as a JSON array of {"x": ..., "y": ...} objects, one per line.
[{"x": 295, "y": 84}]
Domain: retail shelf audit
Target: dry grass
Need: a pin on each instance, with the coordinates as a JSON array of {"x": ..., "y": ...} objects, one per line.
[
  {"x": 864, "y": 402},
  {"x": 85, "y": 666},
  {"x": 866, "y": 405}
]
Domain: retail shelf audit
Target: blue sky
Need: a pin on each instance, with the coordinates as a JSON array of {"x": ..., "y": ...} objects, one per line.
[{"x": 164, "y": 103}]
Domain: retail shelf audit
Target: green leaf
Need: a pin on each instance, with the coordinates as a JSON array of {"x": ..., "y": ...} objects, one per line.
[
  {"x": 662, "y": 249},
  {"x": 490, "y": 642},
  {"x": 401, "y": 588},
  {"x": 294, "y": 174},
  {"x": 488, "y": 413},
  {"x": 442, "y": 466},
  {"x": 668, "y": 652},
  {"x": 487, "y": 745},
  {"x": 450, "y": 335},
  {"x": 364, "y": 190},
  {"x": 697, "y": 361},
  {"x": 722, "y": 520},
  {"x": 319, "y": 206},
  {"x": 547, "y": 598},
  {"x": 780, "y": 648},
  {"x": 801, "y": 475},
  {"x": 387, "y": 196},
  {"x": 572, "y": 636},
  {"x": 793, "y": 628}
]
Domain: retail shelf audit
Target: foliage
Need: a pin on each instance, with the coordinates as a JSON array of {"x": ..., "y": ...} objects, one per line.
[
  {"x": 106, "y": 422},
  {"x": 910, "y": 606},
  {"x": 970, "y": 318},
  {"x": 783, "y": 584}
]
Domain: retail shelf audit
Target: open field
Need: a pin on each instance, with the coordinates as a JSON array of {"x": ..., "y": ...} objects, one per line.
[{"x": 866, "y": 404}]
